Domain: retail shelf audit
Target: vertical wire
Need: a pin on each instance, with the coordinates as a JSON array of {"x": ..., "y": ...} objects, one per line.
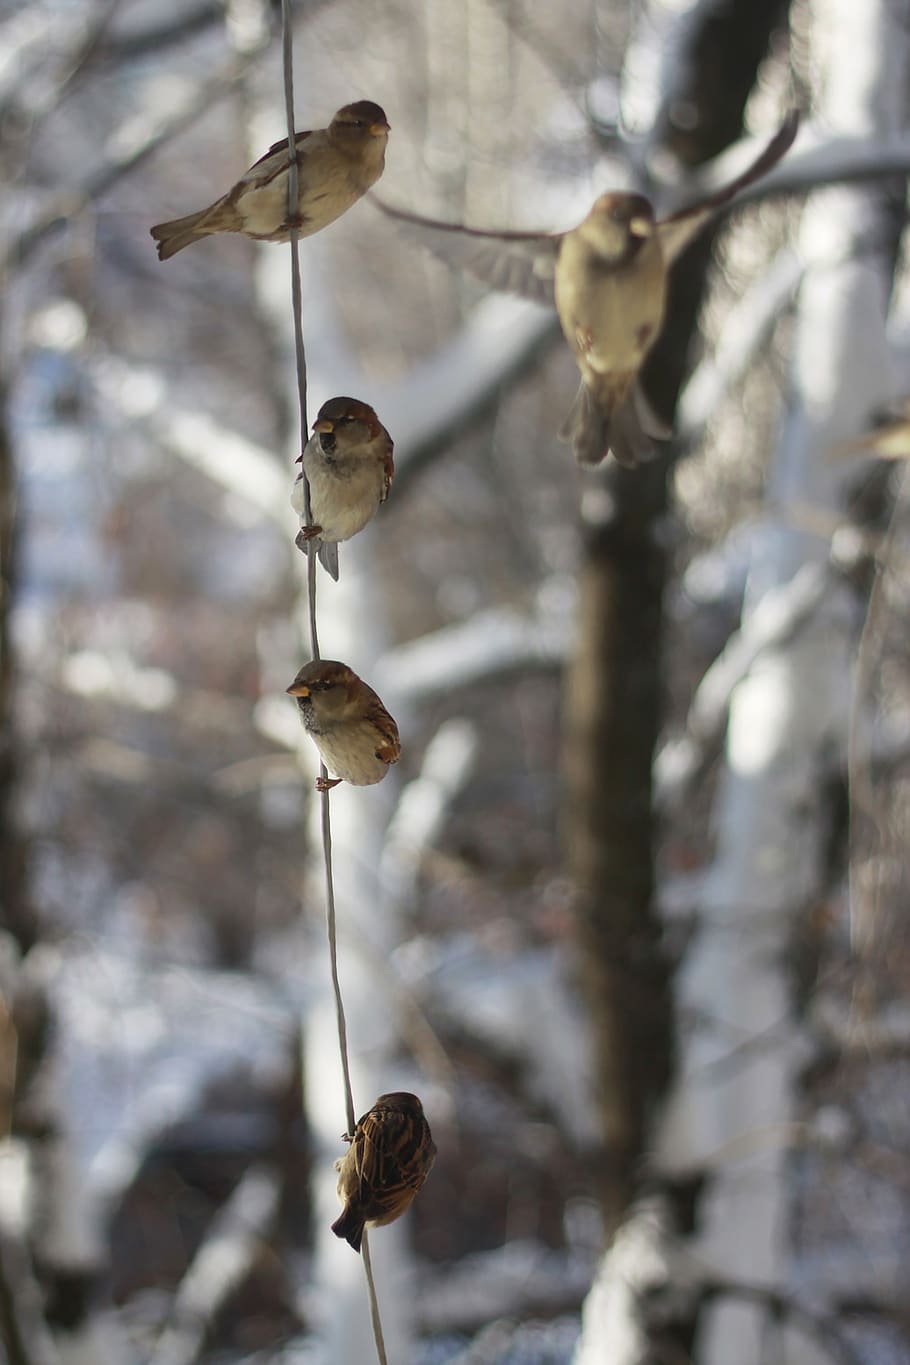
[
  {"x": 374, "y": 1301},
  {"x": 300, "y": 358}
]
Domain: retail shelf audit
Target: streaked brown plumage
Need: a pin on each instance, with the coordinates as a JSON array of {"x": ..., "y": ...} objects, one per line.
[
  {"x": 348, "y": 462},
  {"x": 335, "y": 165},
  {"x": 608, "y": 280},
  {"x": 354, "y": 733},
  {"x": 390, "y": 1157}
]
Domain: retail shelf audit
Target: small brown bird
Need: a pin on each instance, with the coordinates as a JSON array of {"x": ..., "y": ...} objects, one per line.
[
  {"x": 349, "y": 725},
  {"x": 335, "y": 165},
  {"x": 608, "y": 280},
  {"x": 348, "y": 463},
  {"x": 390, "y": 1156}
]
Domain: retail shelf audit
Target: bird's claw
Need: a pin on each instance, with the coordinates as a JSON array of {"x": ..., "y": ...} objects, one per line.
[
  {"x": 325, "y": 784},
  {"x": 305, "y": 535}
]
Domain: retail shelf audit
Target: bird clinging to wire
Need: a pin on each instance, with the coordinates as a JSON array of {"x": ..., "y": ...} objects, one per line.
[
  {"x": 349, "y": 467},
  {"x": 389, "y": 1159},
  {"x": 354, "y": 733},
  {"x": 335, "y": 167}
]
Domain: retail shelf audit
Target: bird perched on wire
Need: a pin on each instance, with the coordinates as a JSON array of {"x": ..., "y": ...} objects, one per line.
[
  {"x": 354, "y": 733},
  {"x": 349, "y": 467},
  {"x": 608, "y": 280},
  {"x": 389, "y": 1159},
  {"x": 335, "y": 166}
]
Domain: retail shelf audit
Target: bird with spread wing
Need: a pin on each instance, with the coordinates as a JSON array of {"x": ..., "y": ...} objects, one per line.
[{"x": 607, "y": 279}]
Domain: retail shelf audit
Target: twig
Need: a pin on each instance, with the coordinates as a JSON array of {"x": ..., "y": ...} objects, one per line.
[{"x": 66, "y": 205}]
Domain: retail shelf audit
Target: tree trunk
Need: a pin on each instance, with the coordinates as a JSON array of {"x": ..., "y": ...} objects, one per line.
[{"x": 613, "y": 692}]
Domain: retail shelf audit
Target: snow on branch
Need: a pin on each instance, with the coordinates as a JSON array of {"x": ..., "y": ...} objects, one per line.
[
  {"x": 776, "y": 617},
  {"x": 817, "y": 159},
  {"x": 746, "y": 328},
  {"x": 493, "y": 642},
  {"x": 423, "y": 806},
  {"x": 520, "y": 1279},
  {"x": 238, "y": 465}
]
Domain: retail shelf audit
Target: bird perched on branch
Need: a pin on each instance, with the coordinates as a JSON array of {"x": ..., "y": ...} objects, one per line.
[
  {"x": 335, "y": 166},
  {"x": 608, "y": 280},
  {"x": 354, "y": 733},
  {"x": 389, "y": 1159},
  {"x": 349, "y": 467}
]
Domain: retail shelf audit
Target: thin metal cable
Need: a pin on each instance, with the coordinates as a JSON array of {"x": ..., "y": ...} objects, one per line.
[
  {"x": 333, "y": 960},
  {"x": 374, "y": 1301},
  {"x": 300, "y": 356}
]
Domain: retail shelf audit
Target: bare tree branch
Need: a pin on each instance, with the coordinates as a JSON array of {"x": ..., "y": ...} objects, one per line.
[
  {"x": 226, "y": 1256},
  {"x": 781, "y": 612},
  {"x": 69, "y": 203}
]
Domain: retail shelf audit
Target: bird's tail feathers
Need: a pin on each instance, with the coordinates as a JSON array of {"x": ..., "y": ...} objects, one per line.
[
  {"x": 636, "y": 426},
  {"x": 180, "y": 232},
  {"x": 586, "y": 428},
  {"x": 628, "y": 431},
  {"x": 349, "y": 1226},
  {"x": 647, "y": 418},
  {"x": 328, "y": 557},
  {"x": 635, "y": 429}
]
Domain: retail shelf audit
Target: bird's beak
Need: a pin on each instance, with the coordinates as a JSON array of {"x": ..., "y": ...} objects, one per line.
[
  {"x": 640, "y": 227},
  {"x": 298, "y": 690},
  {"x": 377, "y": 129},
  {"x": 324, "y": 424}
]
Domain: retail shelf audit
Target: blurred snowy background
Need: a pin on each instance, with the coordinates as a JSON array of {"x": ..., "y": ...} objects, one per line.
[{"x": 631, "y": 914}]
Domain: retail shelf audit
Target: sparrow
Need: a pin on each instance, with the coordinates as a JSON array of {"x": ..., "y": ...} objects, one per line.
[
  {"x": 348, "y": 464},
  {"x": 354, "y": 733},
  {"x": 607, "y": 278},
  {"x": 335, "y": 165},
  {"x": 389, "y": 1158}
]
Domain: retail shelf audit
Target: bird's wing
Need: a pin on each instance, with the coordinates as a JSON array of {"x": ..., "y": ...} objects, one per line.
[
  {"x": 517, "y": 262},
  {"x": 272, "y": 161},
  {"x": 677, "y": 231},
  {"x": 389, "y": 746},
  {"x": 388, "y": 465},
  {"x": 368, "y": 1153},
  {"x": 393, "y": 1155}
]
